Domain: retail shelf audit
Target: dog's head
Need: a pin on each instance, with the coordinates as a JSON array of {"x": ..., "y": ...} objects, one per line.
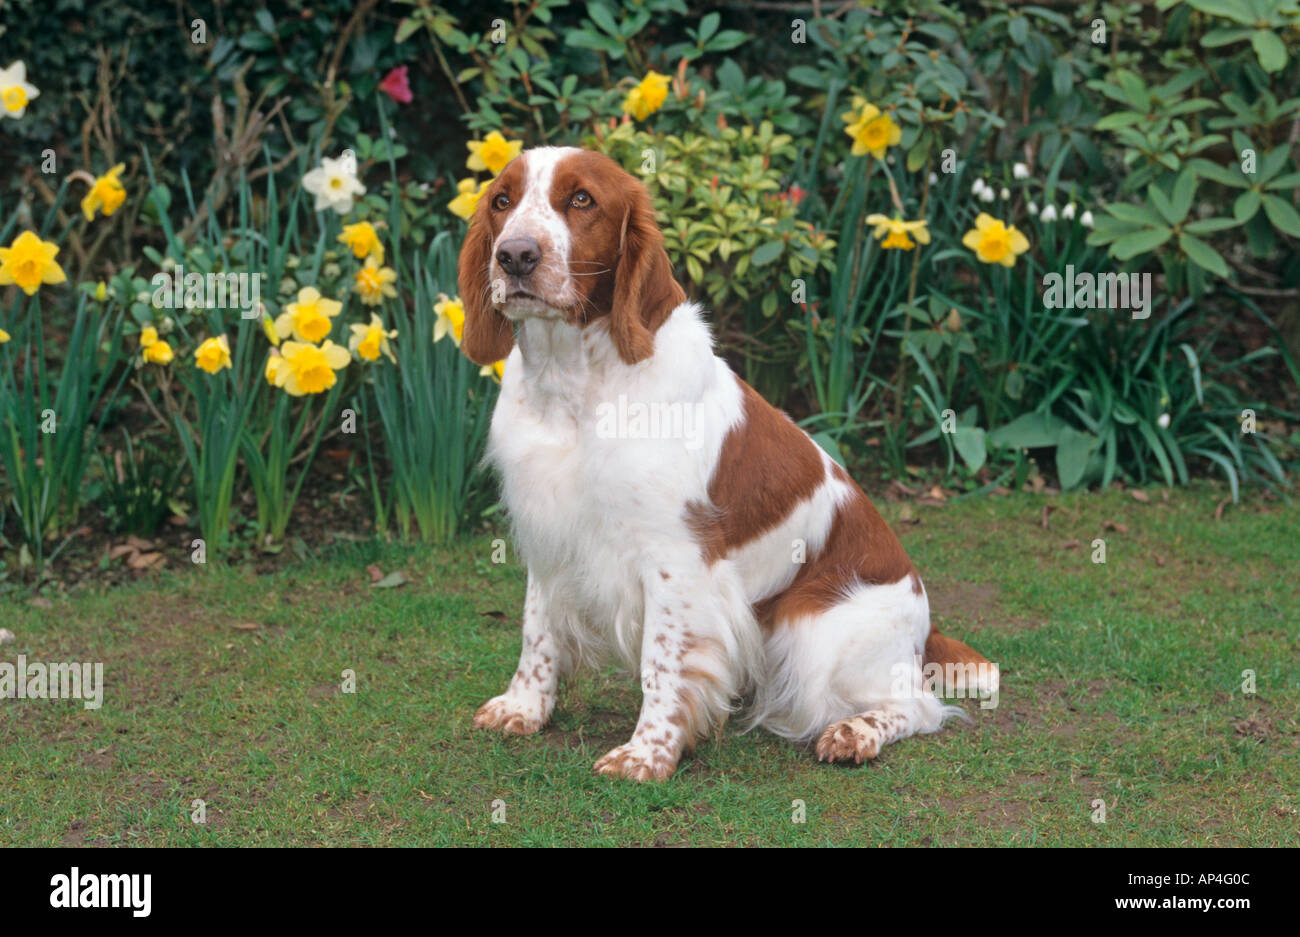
[{"x": 565, "y": 234}]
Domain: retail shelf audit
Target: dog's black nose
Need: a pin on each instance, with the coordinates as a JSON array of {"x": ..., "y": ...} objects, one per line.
[{"x": 519, "y": 256}]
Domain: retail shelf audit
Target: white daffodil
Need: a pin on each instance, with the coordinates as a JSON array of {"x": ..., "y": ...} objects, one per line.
[
  {"x": 1020, "y": 171},
  {"x": 1049, "y": 213},
  {"x": 334, "y": 183},
  {"x": 16, "y": 92},
  {"x": 1086, "y": 219},
  {"x": 1068, "y": 211}
]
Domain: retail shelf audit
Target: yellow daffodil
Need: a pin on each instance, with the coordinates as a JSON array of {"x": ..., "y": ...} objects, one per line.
[
  {"x": 375, "y": 282},
  {"x": 466, "y": 201},
  {"x": 647, "y": 97},
  {"x": 213, "y": 354},
  {"x": 308, "y": 319},
  {"x": 493, "y": 153},
  {"x": 107, "y": 194},
  {"x": 268, "y": 326},
  {"x": 362, "y": 239},
  {"x": 307, "y": 369},
  {"x": 273, "y": 363},
  {"x": 871, "y": 129},
  {"x": 158, "y": 353},
  {"x": 153, "y": 349},
  {"x": 496, "y": 370},
  {"x": 4, "y": 336},
  {"x": 29, "y": 262},
  {"x": 994, "y": 242},
  {"x": 898, "y": 231},
  {"x": 16, "y": 92},
  {"x": 451, "y": 319},
  {"x": 369, "y": 341}
]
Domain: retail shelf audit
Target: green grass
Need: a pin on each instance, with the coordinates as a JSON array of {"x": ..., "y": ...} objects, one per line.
[{"x": 1121, "y": 682}]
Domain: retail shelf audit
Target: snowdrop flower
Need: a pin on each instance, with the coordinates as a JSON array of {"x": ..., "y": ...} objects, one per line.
[
  {"x": 934, "y": 178},
  {"x": 1086, "y": 219},
  {"x": 1163, "y": 421},
  {"x": 1068, "y": 211},
  {"x": 1049, "y": 213},
  {"x": 1020, "y": 171},
  {"x": 1005, "y": 193},
  {"x": 334, "y": 183},
  {"x": 987, "y": 194},
  {"x": 1033, "y": 209},
  {"x": 977, "y": 188}
]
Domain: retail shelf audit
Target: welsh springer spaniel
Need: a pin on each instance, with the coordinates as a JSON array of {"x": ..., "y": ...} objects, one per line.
[{"x": 667, "y": 514}]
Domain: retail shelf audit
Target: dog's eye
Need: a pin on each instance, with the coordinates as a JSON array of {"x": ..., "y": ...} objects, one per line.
[
  {"x": 581, "y": 199},
  {"x": 501, "y": 202}
]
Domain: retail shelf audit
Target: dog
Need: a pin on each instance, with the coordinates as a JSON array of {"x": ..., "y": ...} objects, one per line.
[{"x": 732, "y": 562}]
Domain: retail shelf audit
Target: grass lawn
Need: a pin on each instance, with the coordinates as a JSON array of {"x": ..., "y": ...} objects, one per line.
[{"x": 1121, "y": 682}]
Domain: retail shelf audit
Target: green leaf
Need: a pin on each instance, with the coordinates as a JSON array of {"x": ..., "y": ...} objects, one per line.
[
  {"x": 1269, "y": 48},
  {"x": 709, "y": 26},
  {"x": 1282, "y": 215},
  {"x": 1028, "y": 431},
  {"x": 1244, "y": 208},
  {"x": 1130, "y": 245},
  {"x": 1184, "y": 191},
  {"x": 602, "y": 17},
  {"x": 767, "y": 253},
  {"x": 1018, "y": 27},
  {"x": 1203, "y": 255},
  {"x": 1072, "y": 454},
  {"x": 969, "y": 441}
]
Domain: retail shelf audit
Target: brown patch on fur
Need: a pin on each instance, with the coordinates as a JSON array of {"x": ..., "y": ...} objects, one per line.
[
  {"x": 767, "y": 466},
  {"x": 488, "y": 335},
  {"x": 861, "y": 547},
  {"x": 940, "y": 649},
  {"x": 617, "y": 239}
]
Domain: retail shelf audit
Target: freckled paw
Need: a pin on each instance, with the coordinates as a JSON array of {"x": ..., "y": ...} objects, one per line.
[
  {"x": 637, "y": 763},
  {"x": 848, "y": 740},
  {"x": 507, "y": 715}
]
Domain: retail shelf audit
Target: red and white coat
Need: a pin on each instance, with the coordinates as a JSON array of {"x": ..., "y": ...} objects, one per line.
[{"x": 669, "y": 517}]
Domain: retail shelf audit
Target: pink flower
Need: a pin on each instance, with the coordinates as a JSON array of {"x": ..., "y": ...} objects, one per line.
[{"x": 396, "y": 85}]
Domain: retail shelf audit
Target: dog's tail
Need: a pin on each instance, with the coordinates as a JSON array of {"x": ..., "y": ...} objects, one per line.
[{"x": 965, "y": 670}]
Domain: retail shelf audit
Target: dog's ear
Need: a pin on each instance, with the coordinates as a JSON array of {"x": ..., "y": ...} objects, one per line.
[
  {"x": 488, "y": 335},
  {"x": 644, "y": 289}
]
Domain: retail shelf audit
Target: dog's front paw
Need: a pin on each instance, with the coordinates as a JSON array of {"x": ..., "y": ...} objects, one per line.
[
  {"x": 638, "y": 761},
  {"x": 509, "y": 715}
]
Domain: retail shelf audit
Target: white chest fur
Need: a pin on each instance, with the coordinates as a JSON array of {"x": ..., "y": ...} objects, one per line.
[{"x": 598, "y": 459}]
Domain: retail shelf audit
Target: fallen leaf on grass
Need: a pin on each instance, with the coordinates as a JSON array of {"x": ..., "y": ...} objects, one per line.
[
  {"x": 1218, "y": 510},
  {"x": 375, "y": 572},
  {"x": 247, "y": 626},
  {"x": 1071, "y": 545},
  {"x": 1140, "y": 495},
  {"x": 146, "y": 561},
  {"x": 391, "y": 581},
  {"x": 1047, "y": 511},
  {"x": 495, "y": 613},
  {"x": 1115, "y": 526}
]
